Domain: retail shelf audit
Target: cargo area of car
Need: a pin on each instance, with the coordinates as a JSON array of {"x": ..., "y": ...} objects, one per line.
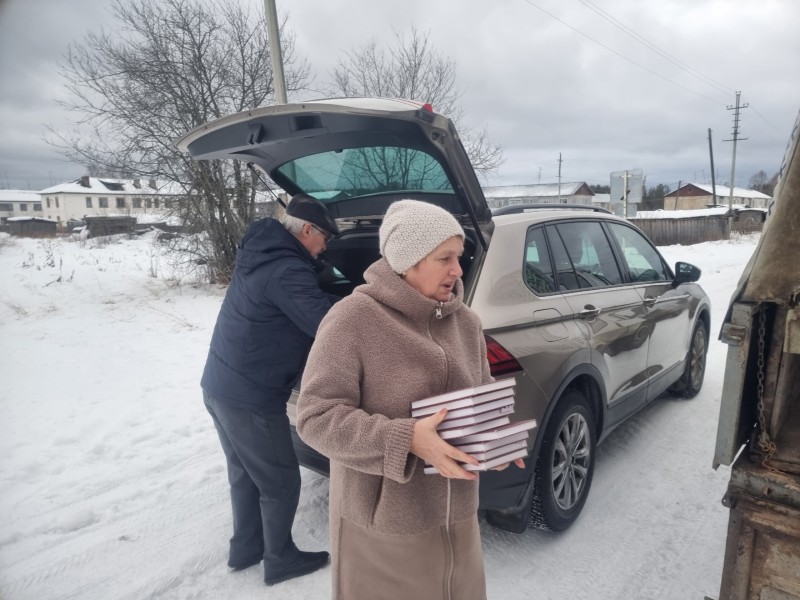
[{"x": 349, "y": 255}]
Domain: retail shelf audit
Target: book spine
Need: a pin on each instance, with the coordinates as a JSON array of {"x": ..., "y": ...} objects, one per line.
[
  {"x": 471, "y": 447},
  {"x": 470, "y": 404},
  {"x": 449, "y": 423},
  {"x": 496, "y": 462},
  {"x": 449, "y": 434},
  {"x": 465, "y": 393}
]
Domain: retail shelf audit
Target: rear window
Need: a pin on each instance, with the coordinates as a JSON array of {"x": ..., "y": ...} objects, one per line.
[{"x": 363, "y": 171}]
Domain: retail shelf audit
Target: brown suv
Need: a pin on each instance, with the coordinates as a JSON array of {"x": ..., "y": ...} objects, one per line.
[{"x": 576, "y": 304}]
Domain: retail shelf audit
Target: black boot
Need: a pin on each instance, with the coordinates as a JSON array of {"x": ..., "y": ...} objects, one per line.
[
  {"x": 305, "y": 563},
  {"x": 244, "y": 564}
]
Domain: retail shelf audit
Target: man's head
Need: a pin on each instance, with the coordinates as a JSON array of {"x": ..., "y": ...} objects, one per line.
[{"x": 308, "y": 220}]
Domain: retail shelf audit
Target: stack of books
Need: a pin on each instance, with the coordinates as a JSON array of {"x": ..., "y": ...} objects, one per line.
[{"x": 477, "y": 422}]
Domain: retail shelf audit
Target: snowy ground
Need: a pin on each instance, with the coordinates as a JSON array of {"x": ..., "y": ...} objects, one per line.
[{"x": 113, "y": 482}]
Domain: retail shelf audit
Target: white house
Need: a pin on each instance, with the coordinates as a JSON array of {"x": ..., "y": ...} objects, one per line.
[
  {"x": 93, "y": 196},
  {"x": 19, "y": 203},
  {"x": 538, "y": 193}
]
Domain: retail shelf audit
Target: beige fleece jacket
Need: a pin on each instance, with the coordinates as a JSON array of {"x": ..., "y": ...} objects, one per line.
[{"x": 375, "y": 352}]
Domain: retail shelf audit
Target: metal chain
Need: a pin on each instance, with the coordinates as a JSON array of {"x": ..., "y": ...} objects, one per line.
[{"x": 765, "y": 443}]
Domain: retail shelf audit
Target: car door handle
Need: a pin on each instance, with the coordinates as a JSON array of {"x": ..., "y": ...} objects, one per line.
[
  {"x": 650, "y": 301},
  {"x": 589, "y": 311}
]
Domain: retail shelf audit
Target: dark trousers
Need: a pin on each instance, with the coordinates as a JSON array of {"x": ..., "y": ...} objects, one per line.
[{"x": 265, "y": 483}]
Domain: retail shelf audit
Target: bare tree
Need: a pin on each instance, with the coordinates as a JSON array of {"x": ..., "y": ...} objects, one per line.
[
  {"x": 167, "y": 68},
  {"x": 411, "y": 68},
  {"x": 758, "y": 181}
]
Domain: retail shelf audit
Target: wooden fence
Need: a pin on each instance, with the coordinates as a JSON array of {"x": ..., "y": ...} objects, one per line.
[{"x": 685, "y": 230}]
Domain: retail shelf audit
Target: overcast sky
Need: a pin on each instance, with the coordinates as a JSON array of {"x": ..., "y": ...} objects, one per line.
[{"x": 542, "y": 76}]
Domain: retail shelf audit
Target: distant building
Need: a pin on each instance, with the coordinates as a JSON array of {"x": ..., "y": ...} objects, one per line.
[
  {"x": 99, "y": 196},
  {"x": 538, "y": 193},
  {"x": 602, "y": 201},
  {"x": 19, "y": 203},
  {"x": 693, "y": 196}
]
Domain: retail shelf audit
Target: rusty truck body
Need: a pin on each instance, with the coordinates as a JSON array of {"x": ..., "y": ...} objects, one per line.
[{"x": 759, "y": 424}]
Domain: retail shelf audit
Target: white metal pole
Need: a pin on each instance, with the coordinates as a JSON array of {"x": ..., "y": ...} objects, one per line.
[{"x": 278, "y": 79}]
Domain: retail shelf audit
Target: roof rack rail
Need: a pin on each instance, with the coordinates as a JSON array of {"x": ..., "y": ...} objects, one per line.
[{"x": 519, "y": 208}]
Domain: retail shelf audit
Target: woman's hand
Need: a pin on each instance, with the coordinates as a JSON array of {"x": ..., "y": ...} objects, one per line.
[
  {"x": 427, "y": 444},
  {"x": 517, "y": 461}
]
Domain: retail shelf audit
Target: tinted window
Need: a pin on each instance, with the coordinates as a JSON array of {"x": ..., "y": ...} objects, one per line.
[
  {"x": 538, "y": 272},
  {"x": 641, "y": 260},
  {"x": 362, "y": 171},
  {"x": 590, "y": 253}
]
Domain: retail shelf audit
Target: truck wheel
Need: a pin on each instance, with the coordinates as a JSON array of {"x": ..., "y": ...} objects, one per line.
[
  {"x": 691, "y": 380},
  {"x": 566, "y": 464}
]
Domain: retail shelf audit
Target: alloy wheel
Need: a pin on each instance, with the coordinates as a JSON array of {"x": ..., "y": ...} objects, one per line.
[
  {"x": 571, "y": 459},
  {"x": 698, "y": 358}
]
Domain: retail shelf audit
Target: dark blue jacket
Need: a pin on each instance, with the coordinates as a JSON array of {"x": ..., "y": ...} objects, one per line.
[{"x": 267, "y": 321}]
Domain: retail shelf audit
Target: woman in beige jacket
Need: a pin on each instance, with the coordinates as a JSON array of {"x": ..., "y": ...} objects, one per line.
[{"x": 397, "y": 533}]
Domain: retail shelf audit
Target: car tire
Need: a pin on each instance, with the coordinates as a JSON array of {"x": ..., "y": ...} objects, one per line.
[
  {"x": 565, "y": 466},
  {"x": 688, "y": 386}
]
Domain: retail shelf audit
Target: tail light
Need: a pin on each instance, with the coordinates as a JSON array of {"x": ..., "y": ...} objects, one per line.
[{"x": 500, "y": 360}]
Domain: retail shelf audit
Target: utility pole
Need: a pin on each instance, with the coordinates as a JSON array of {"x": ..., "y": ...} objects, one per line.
[
  {"x": 713, "y": 180},
  {"x": 278, "y": 79},
  {"x": 677, "y": 194},
  {"x": 559, "y": 177},
  {"x": 540, "y": 176},
  {"x": 735, "y": 138}
]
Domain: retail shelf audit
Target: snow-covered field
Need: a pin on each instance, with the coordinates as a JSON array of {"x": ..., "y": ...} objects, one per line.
[{"x": 113, "y": 482}]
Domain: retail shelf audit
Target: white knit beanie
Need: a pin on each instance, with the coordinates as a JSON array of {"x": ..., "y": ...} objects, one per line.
[{"x": 411, "y": 230}]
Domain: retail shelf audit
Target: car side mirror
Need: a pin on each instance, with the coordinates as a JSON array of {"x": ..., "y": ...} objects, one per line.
[{"x": 685, "y": 273}]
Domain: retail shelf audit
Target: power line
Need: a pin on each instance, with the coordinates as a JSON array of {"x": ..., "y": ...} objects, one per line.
[
  {"x": 663, "y": 53},
  {"x": 599, "y": 43},
  {"x": 765, "y": 119}
]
